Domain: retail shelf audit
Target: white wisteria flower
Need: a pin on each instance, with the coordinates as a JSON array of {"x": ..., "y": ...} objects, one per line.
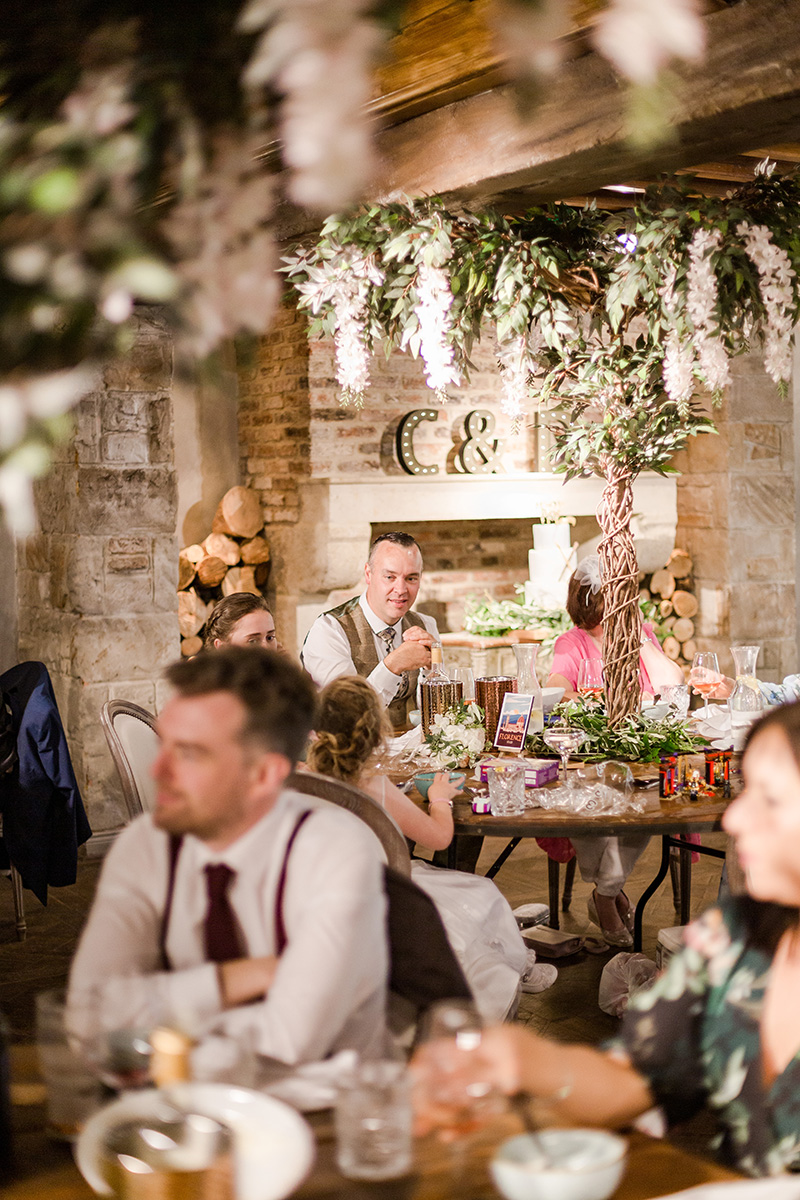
[
  {"x": 434, "y": 301},
  {"x": 777, "y": 293},
  {"x": 457, "y": 737},
  {"x": 639, "y": 37},
  {"x": 701, "y": 303},
  {"x": 516, "y": 367},
  {"x": 344, "y": 281}
]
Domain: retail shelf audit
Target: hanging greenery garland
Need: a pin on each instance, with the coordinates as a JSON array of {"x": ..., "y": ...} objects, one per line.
[{"x": 610, "y": 330}]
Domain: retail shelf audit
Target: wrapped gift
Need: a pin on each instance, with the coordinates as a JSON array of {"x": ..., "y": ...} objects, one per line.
[{"x": 538, "y": 771}]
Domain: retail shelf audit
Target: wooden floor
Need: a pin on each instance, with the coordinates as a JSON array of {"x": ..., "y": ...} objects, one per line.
[{"x": 567, "y": 1011}]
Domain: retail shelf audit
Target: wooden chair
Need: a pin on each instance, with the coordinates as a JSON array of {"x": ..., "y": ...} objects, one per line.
[
  {"x": 363, "y": 806},
  {"x": 133, "y": 742}
]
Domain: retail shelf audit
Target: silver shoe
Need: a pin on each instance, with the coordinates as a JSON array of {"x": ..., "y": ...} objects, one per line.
[{"x": 615, "y": 937}]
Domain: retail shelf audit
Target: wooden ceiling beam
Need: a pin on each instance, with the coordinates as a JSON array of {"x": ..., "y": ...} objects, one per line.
[{"x": 746, "y": 92}]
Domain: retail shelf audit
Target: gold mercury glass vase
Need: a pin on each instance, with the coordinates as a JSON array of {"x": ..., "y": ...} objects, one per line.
[{"x": 437, "y": 698}]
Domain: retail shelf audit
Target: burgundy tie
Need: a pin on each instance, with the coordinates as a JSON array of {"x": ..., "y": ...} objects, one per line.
[{"x": 222, "y": 940}]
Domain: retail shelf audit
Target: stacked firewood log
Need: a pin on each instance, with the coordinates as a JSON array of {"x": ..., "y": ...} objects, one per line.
[
  {"x": 672, "y": 589},
  {"x": 233, "y": 558}
]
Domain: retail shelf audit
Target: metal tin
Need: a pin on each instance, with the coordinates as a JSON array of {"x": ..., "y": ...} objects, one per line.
[{"x": 489, "y": 692}]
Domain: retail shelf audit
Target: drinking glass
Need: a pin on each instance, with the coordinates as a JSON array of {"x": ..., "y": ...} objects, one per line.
[
  {"x": 705, "y": 675},
  {"x": 73, "y": 1089},
  {"x": 450, "y": 1073},
  {"x": 590, "y": 678},
  {"x": 676, "y": 695},
  {"x": 507, "y": 789},
  {"x": 564, "y": 741},
  {"x": 373, "y": 1121},
  {"x": 465, "y": 676}
]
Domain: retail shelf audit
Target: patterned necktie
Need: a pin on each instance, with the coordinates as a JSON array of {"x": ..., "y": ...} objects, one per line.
[
  {"x": 222, "y": 941},
  {"x": 387, "y": 635}
]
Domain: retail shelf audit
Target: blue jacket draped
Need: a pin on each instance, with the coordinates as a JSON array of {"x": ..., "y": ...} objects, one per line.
[{"x": 44, "y": 821}]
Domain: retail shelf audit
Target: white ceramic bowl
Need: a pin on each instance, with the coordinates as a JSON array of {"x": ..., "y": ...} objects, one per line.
[
  {"x": 551, "y": 697},
  {"x": 655, "y": 712},
  {"x": 580, "y": 1164},
  {"x": 273, "y": 1145}
]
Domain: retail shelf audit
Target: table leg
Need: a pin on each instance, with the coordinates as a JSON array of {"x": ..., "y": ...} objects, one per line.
[
  {"x": 650, "y": 890},
  {"x": 502, "y": 857},
  {"x": 685, "y": 856},
  {"x": 552, "y": 887}
]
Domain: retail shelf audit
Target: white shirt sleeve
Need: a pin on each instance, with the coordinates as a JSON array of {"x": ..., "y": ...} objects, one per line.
[
  {"x": 116, "y": 978},
  {"x": 334, "y": 912}
]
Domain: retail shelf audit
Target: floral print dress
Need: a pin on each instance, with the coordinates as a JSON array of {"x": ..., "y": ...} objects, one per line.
[{"x": 695, "y": 1035}]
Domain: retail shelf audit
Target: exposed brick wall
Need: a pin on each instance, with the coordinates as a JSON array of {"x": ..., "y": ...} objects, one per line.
[
  {"x": 274, "y": 417},
  {"x": 347, "y": 442},
  {"x": 736, "y": 517},
  {"x": 96, "y": 585}
]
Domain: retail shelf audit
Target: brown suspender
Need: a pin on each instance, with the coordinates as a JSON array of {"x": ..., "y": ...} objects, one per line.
[{"x": 175, "y": 844}]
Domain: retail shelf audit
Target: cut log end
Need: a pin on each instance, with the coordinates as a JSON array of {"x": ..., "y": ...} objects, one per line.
[
  {"x": 191, "y": 646},
  {"x": 662, "y": 583},
  {"x": 238, "y": 514}
]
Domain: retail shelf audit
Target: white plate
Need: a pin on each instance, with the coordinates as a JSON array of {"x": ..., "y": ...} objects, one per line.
[{"x": 274, "y": 1146}]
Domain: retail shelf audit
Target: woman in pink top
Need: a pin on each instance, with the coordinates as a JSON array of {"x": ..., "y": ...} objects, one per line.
[{"x": 605, "y": 861}]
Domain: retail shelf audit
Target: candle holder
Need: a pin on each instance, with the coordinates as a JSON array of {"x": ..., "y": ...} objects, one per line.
[
  {"x": 437, "y": 698},
  {"x": 489, "y": 693}
]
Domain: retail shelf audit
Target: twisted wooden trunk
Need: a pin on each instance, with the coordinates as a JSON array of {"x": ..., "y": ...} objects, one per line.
[{"x": 621, "y": 617}]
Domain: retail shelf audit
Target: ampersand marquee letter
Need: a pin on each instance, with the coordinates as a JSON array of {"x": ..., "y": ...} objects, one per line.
[{"x": 479, "y": 455}]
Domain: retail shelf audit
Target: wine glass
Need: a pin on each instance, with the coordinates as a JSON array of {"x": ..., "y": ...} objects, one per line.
[
  {"x": 466, "y": 677},
  {"x": 705, "y": 675},
  {"x": 565, "y": 741},
  {"x": 449, "y": 1068},
  {"x": 590, "y": 678}
]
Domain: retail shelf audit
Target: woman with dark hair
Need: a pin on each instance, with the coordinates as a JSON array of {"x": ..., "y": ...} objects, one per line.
[
  {"x": 241, "y": 619},
  {"x": 720, "y": 1028},
  {"x": 480, "y": 925},
  {"x": 605, "y": 861}
]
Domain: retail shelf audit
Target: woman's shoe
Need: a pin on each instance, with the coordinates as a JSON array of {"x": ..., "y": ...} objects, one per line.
[
  {"x": 614, "y": 937},
  {"x": 625, "y": 910}
]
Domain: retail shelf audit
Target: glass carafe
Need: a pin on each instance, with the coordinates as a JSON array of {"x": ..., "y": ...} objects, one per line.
[
  {"x": 528, "y": 682},
  {"x": 746, "y": 701}
]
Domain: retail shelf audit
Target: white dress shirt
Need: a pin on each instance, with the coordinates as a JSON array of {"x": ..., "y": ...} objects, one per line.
[
  {"x": 326, "y": 651},
  {"x": 329, "y": 990}
]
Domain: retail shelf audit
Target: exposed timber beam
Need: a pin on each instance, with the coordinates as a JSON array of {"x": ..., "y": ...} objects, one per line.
[{"x": 745, "y": 93}]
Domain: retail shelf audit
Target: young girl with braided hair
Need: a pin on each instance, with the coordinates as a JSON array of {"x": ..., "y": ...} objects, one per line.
[{"x": 480, "y": 925}]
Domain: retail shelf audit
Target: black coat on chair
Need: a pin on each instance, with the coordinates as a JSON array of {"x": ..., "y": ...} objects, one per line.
[{"x": 44, "y": 821}]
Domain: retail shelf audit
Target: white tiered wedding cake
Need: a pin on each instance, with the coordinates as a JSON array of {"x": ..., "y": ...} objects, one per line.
[{"x": 550, "y": 564}]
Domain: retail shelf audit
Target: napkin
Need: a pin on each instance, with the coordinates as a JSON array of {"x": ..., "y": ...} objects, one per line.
[{"x": 716, "y": 727}]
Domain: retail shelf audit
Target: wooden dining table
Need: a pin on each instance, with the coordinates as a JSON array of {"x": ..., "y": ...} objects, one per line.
[
  {"x": 46, "y": 1170},
  {"x": 667, "y": 818}
]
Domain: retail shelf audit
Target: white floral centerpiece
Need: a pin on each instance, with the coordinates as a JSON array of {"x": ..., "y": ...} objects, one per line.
[{"x": 457, "y": 737}]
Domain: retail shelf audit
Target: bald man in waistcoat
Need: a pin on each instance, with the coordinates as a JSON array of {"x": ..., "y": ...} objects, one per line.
[{"x": 376, "y": 635}]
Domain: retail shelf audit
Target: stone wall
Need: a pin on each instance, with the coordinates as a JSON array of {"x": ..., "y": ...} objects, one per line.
[
  {"x": 96, "y": 585},
  {"x": 736, "y": 517}
]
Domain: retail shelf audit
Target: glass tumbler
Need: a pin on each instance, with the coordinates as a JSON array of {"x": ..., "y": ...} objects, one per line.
[
  {"x": 373, "y": 1121},
  {"x": 507, "y": 789}
]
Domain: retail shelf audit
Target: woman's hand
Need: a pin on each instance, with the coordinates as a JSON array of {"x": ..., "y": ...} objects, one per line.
[
  {"x": 451, "y": 1083},
  {"x": 442, "y": 788},
  {"x": 722, "y": 689}
]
